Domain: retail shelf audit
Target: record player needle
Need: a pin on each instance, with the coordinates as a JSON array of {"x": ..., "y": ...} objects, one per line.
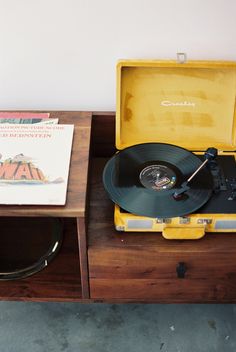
[{"x": 210, "y": 154}]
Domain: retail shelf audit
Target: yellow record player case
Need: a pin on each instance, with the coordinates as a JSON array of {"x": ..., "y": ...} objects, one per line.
[{"x": 191, "y": 105}]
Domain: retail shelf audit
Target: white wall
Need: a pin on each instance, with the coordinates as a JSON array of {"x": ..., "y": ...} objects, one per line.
[{"x": 61, "y": 54}]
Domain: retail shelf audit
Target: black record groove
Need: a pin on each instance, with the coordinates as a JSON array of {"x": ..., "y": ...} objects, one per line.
[{"x": 143, "y": 178}]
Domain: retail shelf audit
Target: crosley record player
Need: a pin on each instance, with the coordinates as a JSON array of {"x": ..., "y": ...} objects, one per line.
[{"x": 170, "y": 117}]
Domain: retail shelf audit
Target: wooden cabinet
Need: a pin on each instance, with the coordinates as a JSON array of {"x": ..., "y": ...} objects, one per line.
[
  {"x": 97, "y": 263},
  {"x": 144, "y": 266},
  {"x": 155, "y": 272}
]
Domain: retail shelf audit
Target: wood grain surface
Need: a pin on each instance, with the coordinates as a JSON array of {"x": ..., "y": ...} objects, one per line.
[
  {"x": 83, "y": 255},
  {"x": 103, "y": 134}
]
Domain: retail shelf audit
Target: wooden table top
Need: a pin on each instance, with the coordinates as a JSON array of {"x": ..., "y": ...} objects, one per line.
[{"x": 77, "y": 182}]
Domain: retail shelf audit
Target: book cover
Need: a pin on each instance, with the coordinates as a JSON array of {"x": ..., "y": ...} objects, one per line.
[
  {"x": 34, "y": 163},
  {"x": 28, "y": 121},
  {"x": 23, "y": 115}
]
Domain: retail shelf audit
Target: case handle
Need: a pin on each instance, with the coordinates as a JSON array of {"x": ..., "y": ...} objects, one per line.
[{"x": 181, "y": 233}]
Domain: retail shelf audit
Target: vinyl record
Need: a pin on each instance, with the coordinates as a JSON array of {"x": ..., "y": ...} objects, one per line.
[
  {"x": 27, "y": 245},
  {"x": 143, "y": 178}
]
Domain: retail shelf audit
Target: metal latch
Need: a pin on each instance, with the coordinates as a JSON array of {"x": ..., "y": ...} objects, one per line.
[
  {"x": 181, "y": 58},
  {"x": 181, "y": 270}
]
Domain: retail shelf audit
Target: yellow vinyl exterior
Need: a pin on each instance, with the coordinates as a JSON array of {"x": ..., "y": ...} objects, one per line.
[
  {"x": 193, "y": 226},
  {"x": 192, "y": 105}
]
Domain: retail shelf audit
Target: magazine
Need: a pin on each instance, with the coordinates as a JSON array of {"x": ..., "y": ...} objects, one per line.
[
  {"x": 28, "y": 121},
  {"x": 34, "y": 163}
]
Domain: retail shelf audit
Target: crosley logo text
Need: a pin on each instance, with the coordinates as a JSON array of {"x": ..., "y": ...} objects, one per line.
[{"x": 177, "y": 103}]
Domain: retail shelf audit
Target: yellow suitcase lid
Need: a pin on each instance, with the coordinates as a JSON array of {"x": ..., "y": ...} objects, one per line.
[{"x": 188, "y": 104}]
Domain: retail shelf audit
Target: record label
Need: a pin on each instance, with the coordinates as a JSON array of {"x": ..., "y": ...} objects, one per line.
[{"x": 157, "y": 177}]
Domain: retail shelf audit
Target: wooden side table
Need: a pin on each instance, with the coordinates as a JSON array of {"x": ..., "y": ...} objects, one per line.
[
  {"x": 123, "y": 267},
  {"x": 66, "y": 277}
]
